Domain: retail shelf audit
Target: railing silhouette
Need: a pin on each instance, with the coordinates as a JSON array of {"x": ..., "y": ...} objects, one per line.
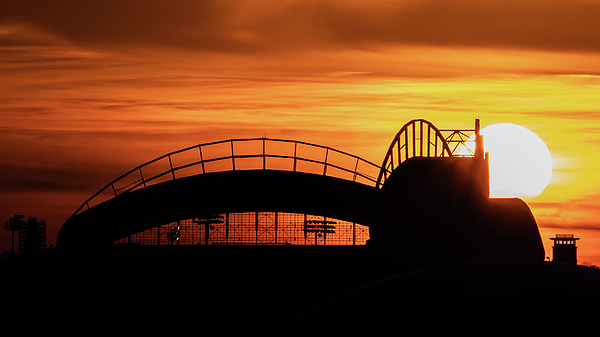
[
  {"x": 420, "y": 138},
  {"x": 240, "y": 154}
]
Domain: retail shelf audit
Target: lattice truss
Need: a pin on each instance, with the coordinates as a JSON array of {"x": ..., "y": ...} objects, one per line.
[
  {"x": 253, "y": 228},
  {"x": 420, "y": 138}
]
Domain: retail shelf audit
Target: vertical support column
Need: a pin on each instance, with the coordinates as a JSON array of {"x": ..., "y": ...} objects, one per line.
[
  {"x": 428, "y": 141},
  {"x": 295, "y": 151},
  {"x": 256, "y": 228},
  {"x": 264, "y": 156},
  {"x": 414, "y": 140},
  {"x": 206, "y": 230},
  {"x": 171, "y": 164},
  {"x": 478, "y": 141},
  {"x": 399, "y": 152},
  {"x": 324, "y": 231},
  {"x": 325, "y": 166},
  {"x": 201, "y": 159},
  {"x": 305, "y": 228},
  {"x": 232, "y": 157},
  {"x": 276, "y": 228},
  {"x": 406, "y": 143},
  {"x": 421, "y": 140},
  {"x": 354, "y": 233},
  {"x": 142, "y": 176},
  {"x": 482, "y": 162},
  {"x": 226, "y": 228}
]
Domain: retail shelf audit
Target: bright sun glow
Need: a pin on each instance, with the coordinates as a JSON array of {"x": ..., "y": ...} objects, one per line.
[{"x": 520, "y": 162}]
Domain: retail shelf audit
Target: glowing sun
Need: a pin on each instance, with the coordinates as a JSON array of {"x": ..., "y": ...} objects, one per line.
[{"x": 520, "y": 162}]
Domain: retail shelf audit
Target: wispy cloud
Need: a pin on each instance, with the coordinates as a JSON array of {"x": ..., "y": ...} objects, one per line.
[
  {"x": 580, "y": 213},
  {"x": 571, "y": 227}
]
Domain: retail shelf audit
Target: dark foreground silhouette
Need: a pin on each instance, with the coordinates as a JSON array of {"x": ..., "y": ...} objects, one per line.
[
  {"x": 294, "y": 291},
  {"x": 442, "y": 256}
]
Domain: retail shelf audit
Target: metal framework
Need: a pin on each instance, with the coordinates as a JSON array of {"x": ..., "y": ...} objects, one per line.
[
  {"x": 240, "y": 154},
  {"x": 253, "y": 228},
  {"x": 417, "y": 138},
  {"x": 420, "y": 138}
]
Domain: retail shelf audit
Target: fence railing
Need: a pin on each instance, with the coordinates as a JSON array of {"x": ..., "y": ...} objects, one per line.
[{"x": 240, "y": 154}]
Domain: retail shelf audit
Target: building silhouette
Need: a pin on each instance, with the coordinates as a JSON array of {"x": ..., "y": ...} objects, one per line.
[
  {"x": 564, "y": 248},
  {"x": 432, "y": 187},
  {"x": 31, "y": 234},
  {"x": 287, "y": 238}
]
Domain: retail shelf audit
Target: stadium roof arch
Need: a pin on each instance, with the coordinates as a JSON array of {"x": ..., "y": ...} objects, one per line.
[{"x": 236, "y": 175}]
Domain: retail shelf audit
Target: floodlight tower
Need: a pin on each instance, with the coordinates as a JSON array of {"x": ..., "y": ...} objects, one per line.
[
  {"x": 208, "y": 223},
  {"x": 320, "y": 228}
]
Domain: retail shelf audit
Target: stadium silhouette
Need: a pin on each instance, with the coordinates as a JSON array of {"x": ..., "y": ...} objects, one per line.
[
  {"x": 425, "y": 202},
  {"x": 290, "y": 238}
]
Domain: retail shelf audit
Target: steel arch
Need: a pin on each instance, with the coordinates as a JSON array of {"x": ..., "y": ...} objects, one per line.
[
  {"x": 347, "y": 166},
  {"x": 417, "y": 138}
]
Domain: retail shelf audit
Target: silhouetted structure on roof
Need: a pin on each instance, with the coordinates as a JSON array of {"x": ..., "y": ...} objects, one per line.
[
  {"x": 565, "y": 248},
  {"x": 426, "y": 195}
]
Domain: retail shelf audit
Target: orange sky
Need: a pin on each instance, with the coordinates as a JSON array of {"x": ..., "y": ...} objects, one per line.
[{"x": 91, "y": 89}]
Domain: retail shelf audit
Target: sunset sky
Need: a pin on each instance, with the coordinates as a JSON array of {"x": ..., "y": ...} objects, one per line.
[{"x": 91, "y": 89}]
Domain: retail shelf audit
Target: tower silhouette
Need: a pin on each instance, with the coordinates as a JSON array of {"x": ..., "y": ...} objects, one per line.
[{"x": 565, "y": 248}]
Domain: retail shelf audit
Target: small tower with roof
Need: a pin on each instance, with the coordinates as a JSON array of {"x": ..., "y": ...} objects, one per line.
[{"x": 565, "y": 248}]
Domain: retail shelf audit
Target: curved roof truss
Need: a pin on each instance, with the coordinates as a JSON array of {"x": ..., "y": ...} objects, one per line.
[
  {"x": 420, "y": 138},
  {"x": 239, "y": 154}
]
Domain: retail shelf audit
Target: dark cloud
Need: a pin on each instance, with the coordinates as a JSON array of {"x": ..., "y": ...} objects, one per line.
[
  {"x": 571, "y": 226},
  {"x": 25, "y": 178},
  {"x": 252, "y": 25},
  {"x": 181, "y": 23}
]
